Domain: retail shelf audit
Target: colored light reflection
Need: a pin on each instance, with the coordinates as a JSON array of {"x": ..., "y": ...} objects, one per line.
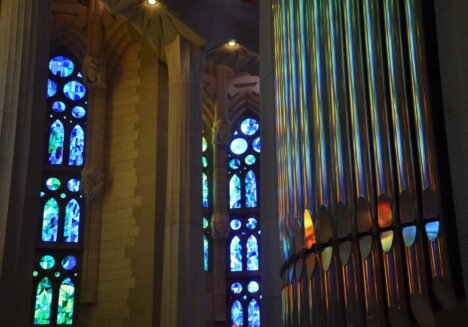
[
  {"x": 432, "y": 230},
  {"x": 386, "y": 239},
  {"x": 309, "y": 230},
  {"x": 385, "y": 215}
]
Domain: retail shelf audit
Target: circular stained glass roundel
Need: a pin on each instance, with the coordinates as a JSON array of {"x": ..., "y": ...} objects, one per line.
[
  {"x": 69, "y": 262},
  {"x": 74, "y": 90},
  {"x": 253, "y": 287},
  {"x": 47, "y": 262},
  {"x": 251, "y": 223},
  {"x": 238, "y": 146},
  {"x": 58, "y": 106},
  {"x": 61, "y": 66},
  {"x": 51, "y": 88},
  {"x": 73, "y": 185},
  {"x": 249, "y": 126},
  {"x": 78, "y": 112},
  {"x": 256, "y": 144},
  {"x": 250, "y": 159},
  {"x": 53, "y": 184},
  {"x": 236, "y": 288},
  {"x": 235, "y": 224},
  {"x": 234, "y": 163}
]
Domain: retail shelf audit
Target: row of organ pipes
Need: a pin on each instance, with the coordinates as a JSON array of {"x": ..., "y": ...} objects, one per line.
[{"x": 359, "y": 208}]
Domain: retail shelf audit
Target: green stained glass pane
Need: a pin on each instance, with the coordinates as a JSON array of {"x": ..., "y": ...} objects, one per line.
[
  {"x": 56, "y": 138},
  {"x": 47, "y": 262},
  {"x": 205, "y": 223},
  {"x": 53, "y": 184},
  {"x": 35, "y": 273},
  {"x": 204, "y": 144},
  {"x": 66, "y": 302},
  {"x": 250, "y": 159},
  {"x": 72, "y": 222},
  {"x": 234, "y": 163},
  {"x": 50, "y": 221},
  {"x": 43, "y": 302},
  {"x": 205, "y": 253},
  {"x": 205, "y": 189},
  {"x": 204, "y": 162}
]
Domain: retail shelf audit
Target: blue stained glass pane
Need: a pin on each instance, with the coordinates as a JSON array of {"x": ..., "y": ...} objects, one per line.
[
  {"x": 409, "y": 235},
  {"x": 69, "y": 262},
  {"x": 43, "y": 302},
  {"x": 47, "y": 262},
  {"x": 51, "y": 88},
  {"x": 256, "y": 144},
  {"x": 234, "y": 163},
  {"x": 66, "y": 302},
  {"x": 50, "y": 221},
  {"x": 61, "y": 66},
  {"x": 77, "y": 143},
  {"x": 73, "y": 185},
  {"x": 74, "y": 90},
  {"x": 234, "y": 192},
  {"x": 249, "y": 126},
  {"x": 253, "y": 287},
  {"x": 237, "y": 314},
  {"x": 72, "y": 222},
  {"x": 235, "y": 224},
  {"x": 205, "y": 253},
  {"x": 250, "y": 159},
  {"x": 205, "y": 189},
  {"x": 252, "y": 253},
  {"x": 58, "y": 106},
  {"x": 56, "y": 138},
  {"x": 236, "y": 288},
  {"x": 236, "y": 254},
  {"x": 250, "y": 190},
  {"x": 53, "y": 183},
  {"x": 432, "y": 230},
  {"x": 238, "y": 146},
  {"x": 251, "y": 223},
  {"x": 254, "y": 314},
  {"x": 78, "y": 112}
]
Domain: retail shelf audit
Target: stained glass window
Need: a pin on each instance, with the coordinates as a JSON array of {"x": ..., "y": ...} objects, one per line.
[
  {"x": 56, "y": 272},
  {"x": 206, "y": 200},
  {"x": 243, "y": 277}
]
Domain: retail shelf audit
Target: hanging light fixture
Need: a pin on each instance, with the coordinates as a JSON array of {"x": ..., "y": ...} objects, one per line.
[
  {"x": 152, "y": 2},
  {"x": 232, "y": 43}
]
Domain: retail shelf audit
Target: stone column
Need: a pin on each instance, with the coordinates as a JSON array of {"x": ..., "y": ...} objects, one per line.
[
  {"x": 220, "y": 217},
  {"x": 452, "y": 37},
  {"x": 183, "y": 293},
  {"x": 92, "y": 175},
  {"x": 24, "y": 43},
  {"x": 270, "y": 252}
]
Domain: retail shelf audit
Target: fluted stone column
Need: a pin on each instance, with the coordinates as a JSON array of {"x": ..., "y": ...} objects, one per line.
[
  {"x": 452, "y": 37},
  {"x": 183, "y": 293},
  {"x": 220, "y": 217},
  {"x": 24, "y": 44},
  {"x": 92, "y": 178},
  {"x": 270, "y": 252}
]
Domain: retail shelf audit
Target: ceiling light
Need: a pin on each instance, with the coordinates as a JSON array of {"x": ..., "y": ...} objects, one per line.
[
  {"x": 152, "y": 2},
  {"x": 232, "y": 43}
]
